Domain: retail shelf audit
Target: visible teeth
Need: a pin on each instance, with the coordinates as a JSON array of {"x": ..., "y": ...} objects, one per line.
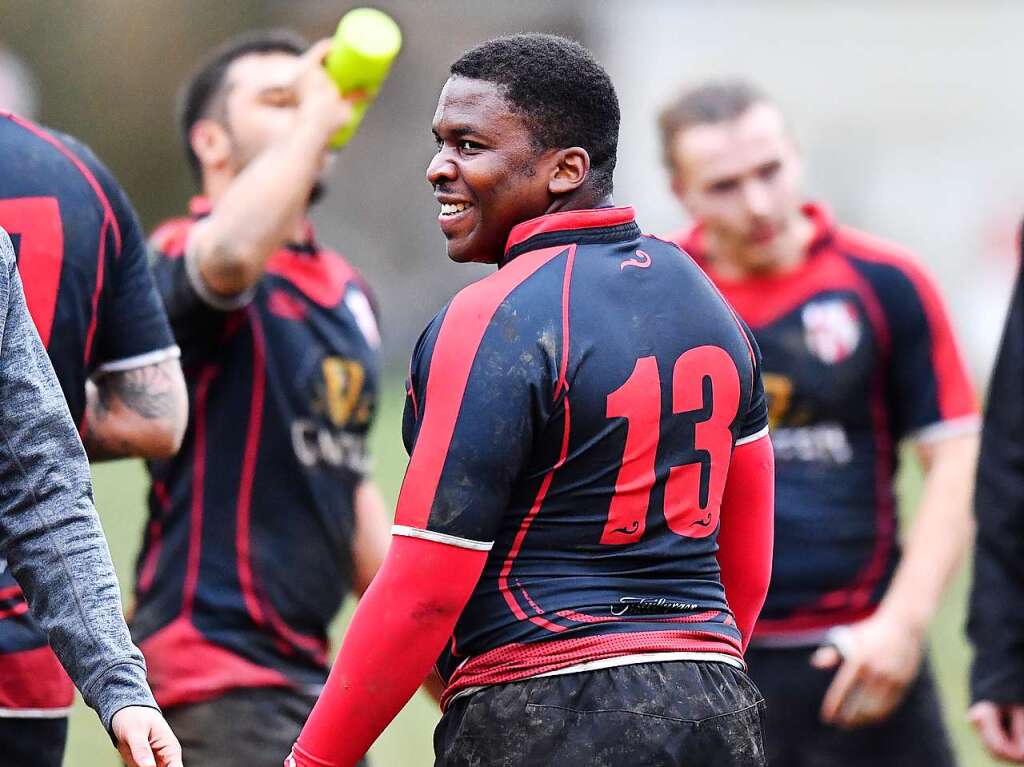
[{"x": 449, "y": 209}]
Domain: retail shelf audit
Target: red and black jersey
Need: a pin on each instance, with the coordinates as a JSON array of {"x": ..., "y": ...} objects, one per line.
[
  {"x": 82, "y": 259},
  {"x": 574, "y": 415},
  {"x": 858, "y": 355},
  {"x": 247, "y": 556}
]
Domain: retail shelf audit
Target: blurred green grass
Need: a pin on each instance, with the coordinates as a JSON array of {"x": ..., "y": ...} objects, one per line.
[{"x": 120, "y": 498}]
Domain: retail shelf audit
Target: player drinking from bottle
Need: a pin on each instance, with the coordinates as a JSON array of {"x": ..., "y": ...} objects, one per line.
[
  {"x": 266, "y": 519},
  {"x": 590, "y": 468},
  {"x": 858, "y": 357}
]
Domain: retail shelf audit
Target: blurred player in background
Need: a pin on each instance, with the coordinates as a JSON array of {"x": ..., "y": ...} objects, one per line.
[
  {"x": 858, "y": 357},
  {"x": 995, "y": 620},
  {"x": 82, "y": 257},
  {"x": 574, "y": 421},
  {"x": 266, "y": 519}
]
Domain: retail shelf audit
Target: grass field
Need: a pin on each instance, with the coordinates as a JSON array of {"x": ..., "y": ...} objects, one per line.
[{"x": 120, "y": 491}]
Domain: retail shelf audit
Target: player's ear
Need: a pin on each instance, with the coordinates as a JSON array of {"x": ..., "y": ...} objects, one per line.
[
  {"x": 572, "y": 166},
  {"x": 211, "y": 143}
]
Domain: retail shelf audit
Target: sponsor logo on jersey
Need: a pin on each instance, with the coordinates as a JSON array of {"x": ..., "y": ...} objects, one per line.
[
  {"x": 822, "y": 443},
  {"x": 832, "y": 329},
  {"x": 340, "y": 403}
]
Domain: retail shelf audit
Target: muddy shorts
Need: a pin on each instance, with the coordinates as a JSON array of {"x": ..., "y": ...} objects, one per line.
[
  {"x": 673, "y": 714},
  {"x": 796, "y": 737}
]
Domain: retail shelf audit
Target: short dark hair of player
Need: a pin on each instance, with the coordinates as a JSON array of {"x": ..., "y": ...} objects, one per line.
[
  {"x": 557, "y": 86},
  {"x": 717, "y": 101},
  {"x": 201, "y": 94}
]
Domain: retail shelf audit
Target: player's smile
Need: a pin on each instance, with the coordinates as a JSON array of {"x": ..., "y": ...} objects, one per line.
[{"x": 485, "y": 173}]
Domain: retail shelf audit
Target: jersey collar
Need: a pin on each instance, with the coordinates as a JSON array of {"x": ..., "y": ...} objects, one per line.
[
  {"x": 819, "y": 215},
  {"x": 565, "y": 227},
  {"x": 200, "y": 206}
]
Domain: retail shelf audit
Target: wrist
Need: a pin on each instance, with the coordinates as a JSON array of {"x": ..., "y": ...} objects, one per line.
[
  {"x": 913, "y": 620},
  {"x": 312, "y": 128}
]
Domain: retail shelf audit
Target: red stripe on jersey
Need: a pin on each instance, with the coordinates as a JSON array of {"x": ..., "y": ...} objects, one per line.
[
  {"x": 457, "y": 343},
  {"x": 40, "y": 255},
  {"x": 108, "y": 211},
  {"x": 517, "y": 543},
  {"x": 101, "y": 251},
  {"x": 34, "y": 679},
  {"x": 522, "y": 661},
  {"x": 956, "y": 396},
  {"x": 252, "y": 444},
  {"x": 198, "y": 482},
  {"x": 11, "y": 612},
  {"x": 595, "y": 218},
  {"x": 563, "y": 385},
  {"x": 260, "y": 610},
  {"x": 10, "y": 592},
  {"x": 155, "y": 532},
  {"x": 562, "y": 388}
]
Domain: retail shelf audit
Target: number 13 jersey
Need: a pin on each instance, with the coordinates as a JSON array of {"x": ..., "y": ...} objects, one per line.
[{"x": 574, "y": 415}]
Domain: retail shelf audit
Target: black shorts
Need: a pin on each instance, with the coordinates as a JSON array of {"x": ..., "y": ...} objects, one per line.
[
  {"x": 33, "y": 742},
  {"x": 697, "y": 714},
  {"x": 247, "y": 727},
  {"x": 796, "y": 736}
]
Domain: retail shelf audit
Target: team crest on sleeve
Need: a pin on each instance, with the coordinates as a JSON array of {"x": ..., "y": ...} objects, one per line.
[{"x": 832, "y": 329}]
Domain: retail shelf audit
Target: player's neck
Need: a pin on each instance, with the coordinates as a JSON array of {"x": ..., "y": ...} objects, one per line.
[
  {"x": 739, "y": 263},
  {"x": 581, "y": 199}
]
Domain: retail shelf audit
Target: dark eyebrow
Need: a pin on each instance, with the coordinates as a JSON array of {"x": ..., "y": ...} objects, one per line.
[{"x": 458, "y": 131}]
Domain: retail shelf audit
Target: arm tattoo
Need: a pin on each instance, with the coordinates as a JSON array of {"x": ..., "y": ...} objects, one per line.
[
  {"x": 125, "y": 410},
  {"x": 148, "y": 391}
]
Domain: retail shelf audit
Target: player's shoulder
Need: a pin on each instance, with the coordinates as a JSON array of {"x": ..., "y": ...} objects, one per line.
[
  {"x": 863, "y": 249},
  {"x": 526, "y": 270},
  {"x": 681, "y": 238},
  {"x": 169, "y": 238},
  {"x": 892, "y": 270}
]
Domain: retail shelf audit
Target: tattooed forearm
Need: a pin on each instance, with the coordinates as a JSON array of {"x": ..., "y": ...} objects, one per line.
[
  {"x": 139, "y": 412},
  {"x": 148, "y": 391}
]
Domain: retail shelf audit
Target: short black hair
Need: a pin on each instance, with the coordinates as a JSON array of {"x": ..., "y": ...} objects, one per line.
[
  {"x": 201, "y": 91},
  {"x": 557, "y": 86},
  {"x": 707, "y": 103}
]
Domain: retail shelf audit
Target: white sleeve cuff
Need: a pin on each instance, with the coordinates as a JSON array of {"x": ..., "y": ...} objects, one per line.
[
  {"x": 940, "y": 430},
  {"x": 752, "y": 437},
  {"x": 214, "y": 300},
  {"x": 451, "y": 540},
  {"x": 139, "y": 360}
]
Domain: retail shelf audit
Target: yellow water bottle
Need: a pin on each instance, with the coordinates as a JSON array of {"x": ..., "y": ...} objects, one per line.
[{"x": 360, "y": 58}]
